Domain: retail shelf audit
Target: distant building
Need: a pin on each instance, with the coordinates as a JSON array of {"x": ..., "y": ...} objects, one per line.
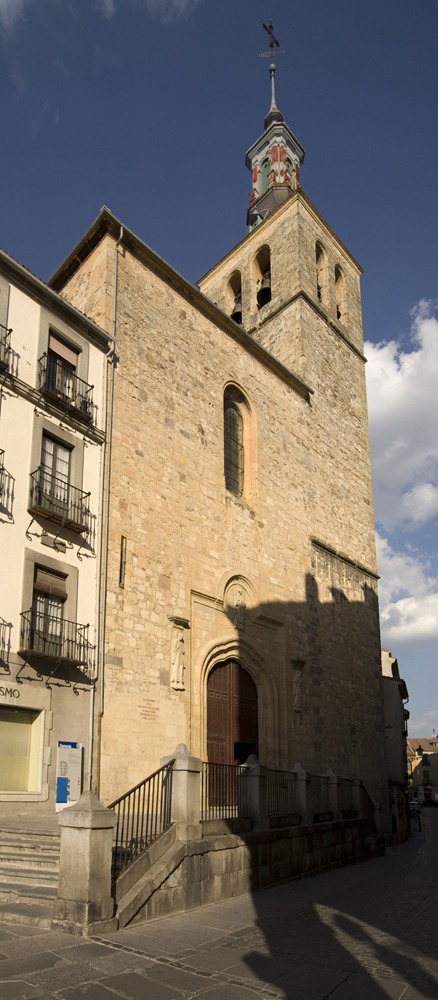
[
  {"x": 395, "y": 696},
  {"x": 423, "y": 766},
  {"x": 238, "y": 579}
]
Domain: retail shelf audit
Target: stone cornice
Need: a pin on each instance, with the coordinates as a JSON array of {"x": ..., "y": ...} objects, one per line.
[{"x": 316, "y": 542}]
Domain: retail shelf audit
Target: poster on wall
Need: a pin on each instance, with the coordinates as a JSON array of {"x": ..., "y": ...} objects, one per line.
[{"x": 68, "y": 773}]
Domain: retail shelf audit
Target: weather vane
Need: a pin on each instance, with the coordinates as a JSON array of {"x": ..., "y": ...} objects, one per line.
[{"x": 273, "y": 42}]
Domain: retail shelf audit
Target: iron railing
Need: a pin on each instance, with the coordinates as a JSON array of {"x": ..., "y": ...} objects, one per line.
[
  {"x": 223, "y": 791},
  {"x": 2, "y": 472},
  {"x": 59, "y": 382},
  {"x": 282, "y": 793},
  {"x": 346, "y": 803},
  {"x": 367, "y": 806},
  {"x": 143, "y": 814},
  {"x": 55, "y": 499},
  {"x": 5, "y": 346},
  {"x": 5, "y": 631},
  {"x": 319, "y": 794},
  {"x": 54, "y": 638}
]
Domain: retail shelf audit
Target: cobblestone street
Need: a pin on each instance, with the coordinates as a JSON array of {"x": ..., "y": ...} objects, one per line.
[{"x": 366, "y": 932}]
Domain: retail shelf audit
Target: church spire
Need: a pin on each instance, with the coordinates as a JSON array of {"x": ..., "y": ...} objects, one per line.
[{"x": 275, "y": 159}]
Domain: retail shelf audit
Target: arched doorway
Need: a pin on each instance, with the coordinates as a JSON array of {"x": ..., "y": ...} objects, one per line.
[{"x": 232, "y": 714}]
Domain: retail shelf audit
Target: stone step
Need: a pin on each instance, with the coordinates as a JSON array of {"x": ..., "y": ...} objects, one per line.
[
  {"x": 16, "y": 845},
  {"x": 30, "y": 914},
  {"x": 31, "y": 875},
  {"x": 39, "y": 861},
  {"x": 27, "y": 893}
]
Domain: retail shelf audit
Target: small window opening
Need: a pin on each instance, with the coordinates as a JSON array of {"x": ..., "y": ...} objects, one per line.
[
  {"x": 320, "y": 272},
  {"x": 122, "y": 566},
  {"x": 339, "y": 292},
  {"x": 235, "y": 296},
  {"x": 264, "y": 288}
]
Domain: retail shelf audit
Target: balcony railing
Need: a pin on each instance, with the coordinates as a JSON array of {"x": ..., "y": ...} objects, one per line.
[
  {"x": 5, "y": 641},
  {"x": 58, "y": 381},
  {"x": 5, "y": 346},
  {"x": 58, "y": 501},
  {"x": 51, "y": 638}
]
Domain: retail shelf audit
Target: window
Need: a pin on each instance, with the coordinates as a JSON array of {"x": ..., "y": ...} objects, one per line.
[
  {"x": 21, "y": 733},
  {"x": 55, "y": 475},
  {"x": 239, "y": 461},
  {"x": 233, "y": 448},
  {"x": 263, "y": 276},
  {"x": 49, "y": 596},
  {"x": 234, "y": 296},
  {"x": 339, "y": 293},
  {"x": 265, "y": 170},
  {"x": 321, "y": 273},
  {"x": 61, "y": 368}
]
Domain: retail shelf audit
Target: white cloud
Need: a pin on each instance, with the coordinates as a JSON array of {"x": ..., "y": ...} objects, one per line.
[
  {"x": 424, "y": 724},
  {"x": 106, "y": 7},
  {"x": 11, "y": 11},
  {"x": 170, "y": 10},
  {"x": 165, "y": 10},
  {"x": 403, "y": 417},
  {"x": 408, "y": 596}
]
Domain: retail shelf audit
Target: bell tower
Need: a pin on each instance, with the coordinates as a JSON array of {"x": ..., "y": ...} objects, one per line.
[{"x": 274, "y": 159}]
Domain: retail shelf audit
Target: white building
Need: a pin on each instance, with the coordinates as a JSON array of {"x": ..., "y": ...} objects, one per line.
[{"x": 52, "y": 416}]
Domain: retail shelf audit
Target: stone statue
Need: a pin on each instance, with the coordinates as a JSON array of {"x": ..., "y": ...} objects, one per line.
[
  {"x": 177, "y": 676},
  {"x": 240, "y": 606}
]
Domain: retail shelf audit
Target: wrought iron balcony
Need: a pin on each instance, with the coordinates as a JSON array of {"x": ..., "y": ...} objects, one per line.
[
  {"x": 5, "y": 346},
  {"x": 50, "y": 638},
  {"x": 5, "y": 641},
  {"x": 59, "y": 383},
  {"x": 58, "y": 501}
]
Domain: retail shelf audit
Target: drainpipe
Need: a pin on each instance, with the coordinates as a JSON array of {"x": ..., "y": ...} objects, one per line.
[
  {"x": 105, "y": 508},
  {"x": 102, "y": 573}
]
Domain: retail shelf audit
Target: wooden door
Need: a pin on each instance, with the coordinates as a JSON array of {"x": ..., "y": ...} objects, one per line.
[{"x": 232, "y": 715}]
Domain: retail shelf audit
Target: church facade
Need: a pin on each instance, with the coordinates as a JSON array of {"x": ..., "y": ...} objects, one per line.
[{"x": 238, "y": 585}]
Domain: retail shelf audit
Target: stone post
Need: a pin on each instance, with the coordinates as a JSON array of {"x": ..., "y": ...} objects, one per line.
[
  {"x": 255, "y": 782},
  {"x": 303, "y": 795},
  {"x": 84, "y": 904},
  {"x": 186, "y": 793}
]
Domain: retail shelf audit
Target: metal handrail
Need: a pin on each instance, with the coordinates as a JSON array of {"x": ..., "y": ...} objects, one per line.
[
  {"x": 55, "y": 638},
  {"x": 58, "y": 500},
  {"x": 57, "y": 380},
  {"x": 223, "y": 791},
  {"x": 143, "y": 814},
  {"x": 5, "y": 345}
]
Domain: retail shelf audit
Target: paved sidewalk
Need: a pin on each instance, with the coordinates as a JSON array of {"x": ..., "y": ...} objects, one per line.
[{"x": 362, "y": 933}]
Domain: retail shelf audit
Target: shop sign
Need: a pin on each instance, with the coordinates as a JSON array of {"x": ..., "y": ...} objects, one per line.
[{"x": 10, "y": 694}]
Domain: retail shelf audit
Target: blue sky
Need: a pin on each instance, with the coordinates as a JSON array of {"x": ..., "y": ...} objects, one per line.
[{"x": 148, "y": 106}]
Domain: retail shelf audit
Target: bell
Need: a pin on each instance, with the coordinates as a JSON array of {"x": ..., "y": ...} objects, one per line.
[
  {"x": 264, "y": 292},
  {"x": 236, "y": 314}
]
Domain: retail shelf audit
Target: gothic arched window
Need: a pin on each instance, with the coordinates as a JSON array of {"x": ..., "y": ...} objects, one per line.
[{"x": 233, "y": 446}]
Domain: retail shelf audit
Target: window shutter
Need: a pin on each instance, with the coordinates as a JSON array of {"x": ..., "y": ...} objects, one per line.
[
  {"x": 47, "y": 582},
  {"x": 64, "y": 351}
]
